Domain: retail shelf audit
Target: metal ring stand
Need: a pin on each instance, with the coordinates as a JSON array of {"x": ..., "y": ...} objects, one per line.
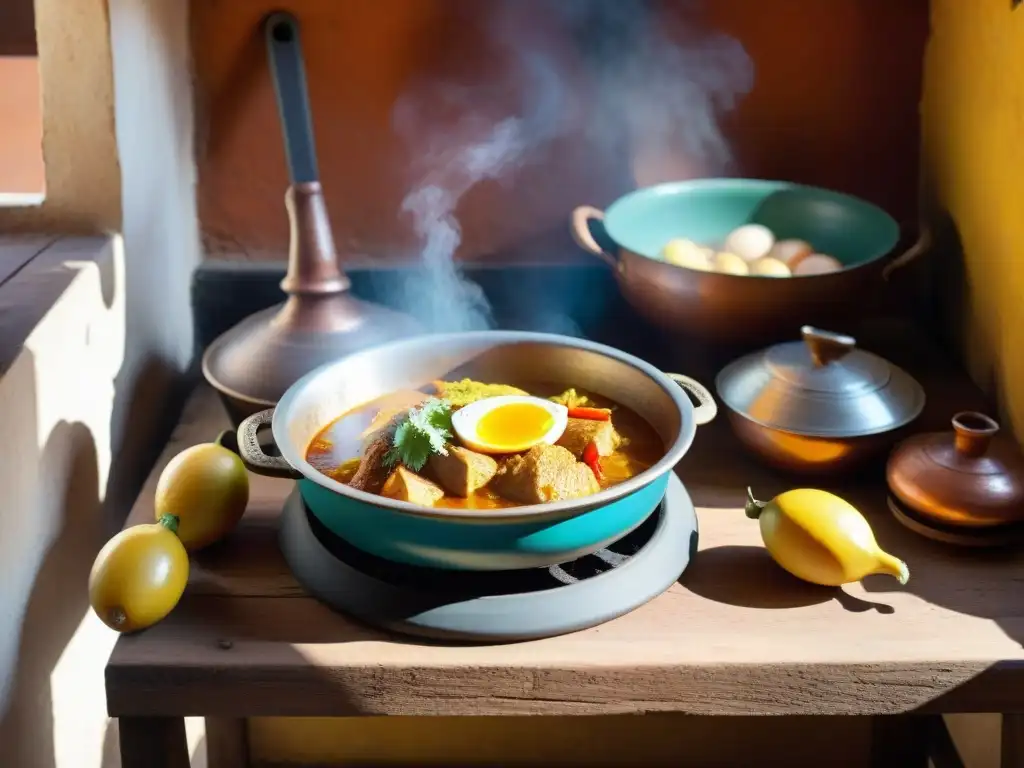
[{"x": 436, "y": 610}]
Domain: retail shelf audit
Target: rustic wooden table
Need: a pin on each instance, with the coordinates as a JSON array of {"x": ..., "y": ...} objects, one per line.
[{"x": 735, "y": 636}]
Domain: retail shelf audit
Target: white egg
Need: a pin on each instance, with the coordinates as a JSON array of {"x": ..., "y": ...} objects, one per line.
[
  {"x": 750, "y": 242},
  {"x": 817, "y": 264},
  {"x": 509, "y": 423},
  {"x": 686, "y": 253},
  {"x": 769, "y": 267}
]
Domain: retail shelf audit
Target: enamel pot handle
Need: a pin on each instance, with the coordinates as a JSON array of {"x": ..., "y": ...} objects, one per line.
[
  {"x": 251, "y": 452},
  {"x": 707, "y": 408}
]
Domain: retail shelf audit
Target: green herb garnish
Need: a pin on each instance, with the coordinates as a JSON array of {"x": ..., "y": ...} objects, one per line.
[{"x": 423, "y": 432}]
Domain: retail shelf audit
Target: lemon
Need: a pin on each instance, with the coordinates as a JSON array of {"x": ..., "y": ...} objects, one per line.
[
  {"x": 139, "y": 576},
  {"x": 821, "y": 538},
  {"x": 207, "y": 488}
]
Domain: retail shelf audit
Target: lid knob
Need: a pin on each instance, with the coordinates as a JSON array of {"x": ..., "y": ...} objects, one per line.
[
  {"x": 974, "y": 431},
  {"x": 826, "y": 347}
]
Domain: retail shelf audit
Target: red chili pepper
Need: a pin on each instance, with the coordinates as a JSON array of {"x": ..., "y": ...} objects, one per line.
[
  {"x": 592, "y": 458},
  {"x": 592, "y": 414}
]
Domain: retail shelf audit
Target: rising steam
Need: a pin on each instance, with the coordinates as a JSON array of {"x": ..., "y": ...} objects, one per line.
[{"x": 666, "y": 95}]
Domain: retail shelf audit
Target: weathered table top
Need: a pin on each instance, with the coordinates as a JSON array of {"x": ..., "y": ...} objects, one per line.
[{"x": 736, "y": 636}]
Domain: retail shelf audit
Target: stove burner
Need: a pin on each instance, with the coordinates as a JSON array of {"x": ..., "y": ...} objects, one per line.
[
  {"x": 466, "y": 584},
  {"x": 493, "y": 605}
]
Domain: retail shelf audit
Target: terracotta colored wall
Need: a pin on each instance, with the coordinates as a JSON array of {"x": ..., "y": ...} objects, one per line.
[
  {"x": 21, "y": 127},
  {"x": 834, "y": 103},
  {"x": 79, "y": 146}
]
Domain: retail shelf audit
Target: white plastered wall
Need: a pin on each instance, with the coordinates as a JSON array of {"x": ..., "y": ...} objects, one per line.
[{"x": 81, "y": 399}]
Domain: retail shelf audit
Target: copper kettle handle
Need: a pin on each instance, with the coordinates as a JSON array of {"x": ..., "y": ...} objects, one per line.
[
  {"x": 924, "y": 243},
  {"x": 825, "y": 346},
  {"x": 584, "y": 238}
]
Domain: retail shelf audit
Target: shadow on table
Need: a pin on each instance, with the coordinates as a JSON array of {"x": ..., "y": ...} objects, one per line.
[{"x": 764, "y": 583}]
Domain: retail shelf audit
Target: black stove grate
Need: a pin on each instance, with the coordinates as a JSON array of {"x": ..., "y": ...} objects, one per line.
[{"x": 470, "y": 584}]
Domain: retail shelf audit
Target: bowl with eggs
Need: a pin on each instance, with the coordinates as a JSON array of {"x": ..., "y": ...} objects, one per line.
[{"x": 742, "y": 260}]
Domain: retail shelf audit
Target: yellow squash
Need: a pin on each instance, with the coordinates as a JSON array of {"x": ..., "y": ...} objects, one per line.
[
  {"x": 821, "y": 538},
  {"x": 207, "y": 488},
  {"x": 139, "y": 576}
]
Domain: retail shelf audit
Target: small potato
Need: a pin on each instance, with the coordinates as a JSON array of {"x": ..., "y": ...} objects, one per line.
[
  {"x": 750, "y": 242},
  {"x": 686, "y": 253},
  {"x": 730, "y": 264},
  {"x": 769, "y": 267}
]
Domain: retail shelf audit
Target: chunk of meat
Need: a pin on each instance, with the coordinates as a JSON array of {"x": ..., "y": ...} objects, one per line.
[
  {"x": 544, "y": 473},
  {"x": 389, "y": 407},
  {"x": 579, "y": 432},
  {"x": 462, "y": 471},
  {"x": 405, "y": 485},
  {"x": 372, "y": 470}
]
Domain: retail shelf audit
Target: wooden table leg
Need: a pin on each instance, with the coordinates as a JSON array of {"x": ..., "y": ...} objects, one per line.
[
  {"x": 942, "y": 749},
  {"x": 227, "y": 743},
  {"x": 153, "y": 742},
  {"x": 1012, "y": 741},
  {"x": 899, "y": 740}
]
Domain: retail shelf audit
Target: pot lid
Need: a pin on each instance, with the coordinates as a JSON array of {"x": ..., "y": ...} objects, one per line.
[
  {"x": 965, "y": 477},
  {"x": 822, "y": 386}
]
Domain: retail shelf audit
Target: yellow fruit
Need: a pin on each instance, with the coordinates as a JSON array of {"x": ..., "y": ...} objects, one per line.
[
  {"x": 821, "y": 538},
  {"x": 139, "y": 576},
  {"x": 206, "y": 487}
]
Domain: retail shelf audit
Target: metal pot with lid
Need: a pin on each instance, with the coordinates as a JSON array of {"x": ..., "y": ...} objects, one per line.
[{"x": 819, "y": 405}]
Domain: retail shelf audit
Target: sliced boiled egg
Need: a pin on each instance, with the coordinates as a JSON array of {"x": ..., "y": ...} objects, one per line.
[
  {"x": 750, "y": 242},
  {"x": 509, "y": 423}
]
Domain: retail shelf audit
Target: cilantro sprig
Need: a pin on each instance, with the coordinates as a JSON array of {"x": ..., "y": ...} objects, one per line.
[{"x": 423, "y": 432}]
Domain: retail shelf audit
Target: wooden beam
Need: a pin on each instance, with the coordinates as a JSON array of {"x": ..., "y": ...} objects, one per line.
[
  {"x": 153, "y": 742},
  {"x": 17, "y": 28},
  {"x": 1012, "y": 741}
]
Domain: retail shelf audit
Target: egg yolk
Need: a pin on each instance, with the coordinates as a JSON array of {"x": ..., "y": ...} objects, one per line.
[{"x": 514, "y": 425}]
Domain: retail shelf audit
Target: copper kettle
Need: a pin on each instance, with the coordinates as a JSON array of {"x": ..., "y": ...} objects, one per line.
[{"x": 252, "y": 364}]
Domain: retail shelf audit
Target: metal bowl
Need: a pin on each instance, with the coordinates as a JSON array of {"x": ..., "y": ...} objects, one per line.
[
  {"x": 736, "y": 309},
  {"x": 818, "y": 406},
  {"x": 518, "y": 537}
]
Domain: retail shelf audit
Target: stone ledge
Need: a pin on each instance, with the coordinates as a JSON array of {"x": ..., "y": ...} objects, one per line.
[{"x": 49, "y": 278}]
